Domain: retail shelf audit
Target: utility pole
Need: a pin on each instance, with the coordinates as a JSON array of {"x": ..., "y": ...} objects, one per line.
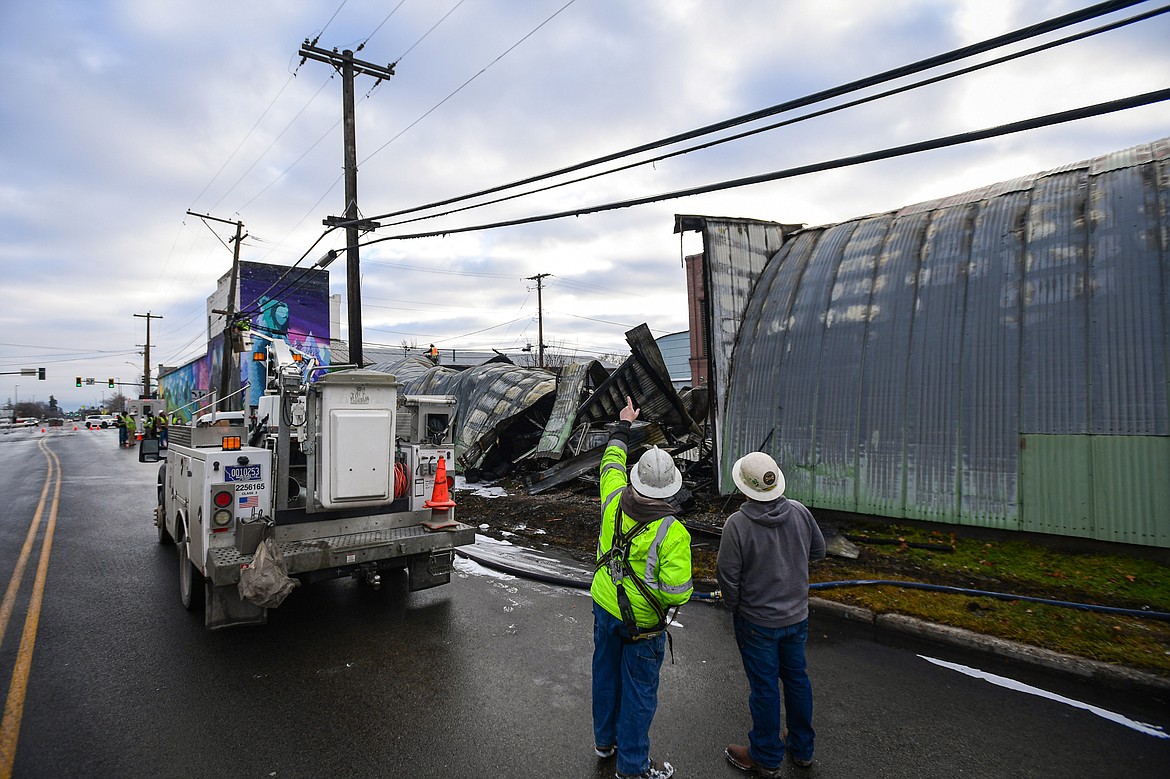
[
  {"x": 225, "y": 375},
  {"x": 349, "y": 67},
  {"x": 539, "y": 279},
  {"x": 146, "y": 353}
]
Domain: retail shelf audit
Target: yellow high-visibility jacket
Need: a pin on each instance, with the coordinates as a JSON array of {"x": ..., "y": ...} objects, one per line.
[{"x": 660, "y": 554}]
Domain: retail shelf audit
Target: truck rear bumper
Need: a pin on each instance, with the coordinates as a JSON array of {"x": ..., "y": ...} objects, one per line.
[{"x": 339, "y": 552}]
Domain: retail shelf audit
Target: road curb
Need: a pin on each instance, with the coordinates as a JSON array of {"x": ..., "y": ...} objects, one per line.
[{"x": 1045, "y": 658}]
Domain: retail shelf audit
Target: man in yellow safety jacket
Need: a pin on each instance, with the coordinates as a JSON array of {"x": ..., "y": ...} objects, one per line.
[{"x": 643, "y": 570}]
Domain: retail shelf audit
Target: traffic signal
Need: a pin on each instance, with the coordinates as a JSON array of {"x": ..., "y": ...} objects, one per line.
[
  {"x": 41, "y": 374},
  {"x": 78, "y": 381},
  {"x": 111, "y": 383}
]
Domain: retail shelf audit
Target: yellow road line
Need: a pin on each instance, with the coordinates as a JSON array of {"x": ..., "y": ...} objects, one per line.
[
  {"x": 22, "y": 561},
  {"x": 14, "y": 709}
]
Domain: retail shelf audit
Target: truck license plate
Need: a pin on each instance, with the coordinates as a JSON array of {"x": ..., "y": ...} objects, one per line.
[{"x": 241, "y": 473}]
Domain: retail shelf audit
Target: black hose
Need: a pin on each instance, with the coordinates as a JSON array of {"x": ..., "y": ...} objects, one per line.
[
  {"x": 565, "y": 581},
  {"x": 1161, "y": 615}
]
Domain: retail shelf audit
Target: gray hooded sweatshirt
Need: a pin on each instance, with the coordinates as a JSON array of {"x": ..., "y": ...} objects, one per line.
[{"x": 763, "y": 561}]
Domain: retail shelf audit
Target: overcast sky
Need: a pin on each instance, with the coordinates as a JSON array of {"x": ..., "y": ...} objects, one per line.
[{"x": 117, "y": 117}]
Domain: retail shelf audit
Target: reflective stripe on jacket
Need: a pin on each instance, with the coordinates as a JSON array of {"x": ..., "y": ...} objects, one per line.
[{"x": 660, "y": 555}]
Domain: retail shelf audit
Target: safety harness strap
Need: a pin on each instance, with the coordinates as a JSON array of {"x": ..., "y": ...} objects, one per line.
[{"x": 617, "y": 559}]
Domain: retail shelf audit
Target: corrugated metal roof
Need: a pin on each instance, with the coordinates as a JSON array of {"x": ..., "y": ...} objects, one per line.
[
  {"x": 644, "y": 379},
  {"x": 895, "y": 364},
  {"x": 490, "y": 397}
]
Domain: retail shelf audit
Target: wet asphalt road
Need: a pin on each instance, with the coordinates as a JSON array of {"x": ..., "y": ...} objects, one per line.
[{"x": 485, "y": 677}]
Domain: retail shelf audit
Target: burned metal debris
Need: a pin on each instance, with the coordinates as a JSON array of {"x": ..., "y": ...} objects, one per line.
[{"x": 550, "y": 427}]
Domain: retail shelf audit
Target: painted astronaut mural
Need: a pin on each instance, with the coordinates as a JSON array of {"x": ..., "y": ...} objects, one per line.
[{"x": 294, "y": 309}]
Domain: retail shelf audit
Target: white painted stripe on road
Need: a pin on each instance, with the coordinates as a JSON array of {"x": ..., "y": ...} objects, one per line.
[{"x": 1150, "y": 730}]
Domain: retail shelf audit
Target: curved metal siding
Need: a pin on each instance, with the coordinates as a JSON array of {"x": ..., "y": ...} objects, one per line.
[
  {"x": 934, "y": 381},
  {"x": 843, "y": 350},
  {"x": 1054, "y": 383},
  {"x": 999, "y": 358},
  {"x": 754, "y": 414},
  {"x": 990, "y": 410},
  {"x": 882, "y": 489},
  {"x": 1126, "y": 298},
  {"x": 799, "y": 382}
]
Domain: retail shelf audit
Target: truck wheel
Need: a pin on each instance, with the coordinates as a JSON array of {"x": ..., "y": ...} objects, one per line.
[
  {"x": 190, "y": 581},
  {"x": 160, "y": 516},
  {"x": 164, "y": 537}
]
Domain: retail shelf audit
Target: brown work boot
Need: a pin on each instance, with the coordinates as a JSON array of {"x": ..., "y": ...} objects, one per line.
[{"x": 739, "y": 756}]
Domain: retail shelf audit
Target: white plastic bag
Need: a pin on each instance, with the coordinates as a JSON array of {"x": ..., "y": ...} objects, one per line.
[{"x": 266, "y": 581}]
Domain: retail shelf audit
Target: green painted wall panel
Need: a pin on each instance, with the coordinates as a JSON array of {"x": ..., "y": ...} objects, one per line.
[
  {"x": 1113, "y": 488},
  {"x": 1131, "y": 489}
]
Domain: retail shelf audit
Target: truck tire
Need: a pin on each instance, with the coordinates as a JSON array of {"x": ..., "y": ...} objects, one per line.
[
  {"x": 190, "y": 581},
  {"x": 160, "y": 516}
]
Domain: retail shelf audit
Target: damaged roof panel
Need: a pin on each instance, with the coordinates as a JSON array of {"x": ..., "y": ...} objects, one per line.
[
  {"x": 735, "y": 252},
  {"x": 490, "y": 398},
  {"x": 645, "y": 378}
]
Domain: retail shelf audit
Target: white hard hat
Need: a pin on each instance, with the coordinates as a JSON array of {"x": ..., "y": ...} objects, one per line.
[
  {"x": 758, "y": 476},
  {"x": 655, "y": 475}
]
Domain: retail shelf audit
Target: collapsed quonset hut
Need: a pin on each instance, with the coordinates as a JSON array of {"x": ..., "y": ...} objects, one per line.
[
  {"x": 997, "y": 358},
  {"x": 551, "y": 423}
]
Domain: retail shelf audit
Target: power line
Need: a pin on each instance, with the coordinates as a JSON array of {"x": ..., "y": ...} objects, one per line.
[
  {"x": 795, "y": 120},
  {"x": 1046, "y": 120},
  {"x": 243, "y": 140},
  {"x": 331, "y": 18},
  {"x": 428, "y": 32},
  {"x": 362, "y": 45},
  {"x": 465, "y": 83},
  {"x": 264, "y": 153},
  {"x": 1094, "y": 11}
]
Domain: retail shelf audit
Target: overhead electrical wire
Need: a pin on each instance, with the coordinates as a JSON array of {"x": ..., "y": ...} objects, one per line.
[
  {"x": 243, "y": 141},
  {"x": 1046, "y": 120},
  {"x": 393, "y": 10},
  {"x": 458, "y": 89},
  {"x": 428, "y": 32},
  {"x": 267, "y": 149},
  {"x": 317, "y": 37},
  {"x": 1024, "y": 33},
  {"x": 795, "y": 120}
]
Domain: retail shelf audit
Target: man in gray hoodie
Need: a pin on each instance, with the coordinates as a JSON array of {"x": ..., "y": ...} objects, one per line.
[{"x": 763, "y": 573}]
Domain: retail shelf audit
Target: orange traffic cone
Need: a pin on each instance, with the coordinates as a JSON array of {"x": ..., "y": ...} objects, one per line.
[{"x": 440, "y": 503}]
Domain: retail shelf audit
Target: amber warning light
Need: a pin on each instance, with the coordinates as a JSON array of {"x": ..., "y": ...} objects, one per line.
[{"x": 231, "y": 443}]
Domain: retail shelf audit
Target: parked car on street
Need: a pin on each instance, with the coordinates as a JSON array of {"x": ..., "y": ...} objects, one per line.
[{"x": 99, "y": 420}]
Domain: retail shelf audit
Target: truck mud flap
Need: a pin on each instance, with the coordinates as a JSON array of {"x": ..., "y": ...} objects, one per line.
[
  {"x": 430, "y": 570},
  {"x": 225, "y": 608}
]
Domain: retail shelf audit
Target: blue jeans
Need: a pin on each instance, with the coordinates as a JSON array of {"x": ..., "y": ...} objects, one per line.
[
  {"x": 772, "y": 656},
  {"x": 625, "y": 690}
]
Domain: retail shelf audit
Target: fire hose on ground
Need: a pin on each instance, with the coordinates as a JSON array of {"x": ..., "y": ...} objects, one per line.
[{"x": 567, "y": 581}]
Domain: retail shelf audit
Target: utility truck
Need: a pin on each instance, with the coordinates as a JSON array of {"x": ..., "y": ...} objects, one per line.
[{"x": 346, "y": 475}]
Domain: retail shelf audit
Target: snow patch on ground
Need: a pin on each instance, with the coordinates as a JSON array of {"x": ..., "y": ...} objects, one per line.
[
  {"x": 472, "y": 568},
  {"x": 480, "y": 490}
]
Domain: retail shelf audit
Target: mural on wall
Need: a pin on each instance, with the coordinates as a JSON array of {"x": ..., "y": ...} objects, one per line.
[
  {"x": 294, "y": 309},
  {"x": 291, "y": 306},
  {"x": 183, "y": 387}
]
